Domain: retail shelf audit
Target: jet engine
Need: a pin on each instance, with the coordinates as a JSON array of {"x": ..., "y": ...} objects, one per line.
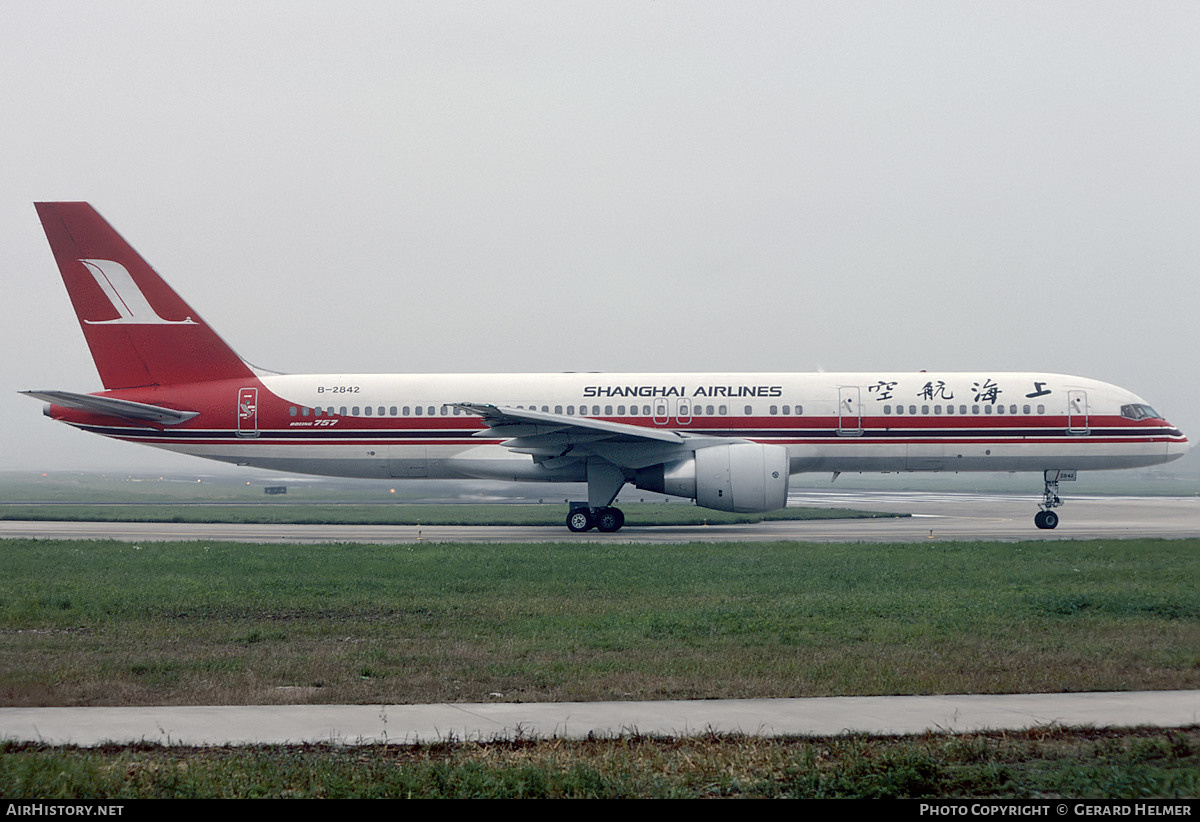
[{"x": 743, "y": 477}]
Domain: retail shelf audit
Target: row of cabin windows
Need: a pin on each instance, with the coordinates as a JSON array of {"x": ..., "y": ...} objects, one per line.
[
  {"x": 583, "y": 410},
  {"x": 638, "y": 410},
  {"x": 641, "y": 410},
  {"x": 962, "y": 409},
  {"x": 373, "y": 411},
  {"x": 661, "y": 411},
  {"x": 632, "y": 410}
]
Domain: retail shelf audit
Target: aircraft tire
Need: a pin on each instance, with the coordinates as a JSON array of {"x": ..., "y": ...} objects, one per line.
[
  {"x": 580, "y": 520},
  {"x": 610, "y": 520},
  {"x": 1045, "y": 520}
]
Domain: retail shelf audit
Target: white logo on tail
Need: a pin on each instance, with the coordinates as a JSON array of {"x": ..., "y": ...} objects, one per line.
[{"x": 128, "y": 300}]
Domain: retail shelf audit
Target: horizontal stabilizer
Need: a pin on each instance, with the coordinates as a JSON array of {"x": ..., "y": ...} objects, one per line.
[{"x": 113, "y": 407}]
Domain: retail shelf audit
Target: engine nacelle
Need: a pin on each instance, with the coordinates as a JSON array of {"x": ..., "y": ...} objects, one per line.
[{"x": 743, "y": 477}]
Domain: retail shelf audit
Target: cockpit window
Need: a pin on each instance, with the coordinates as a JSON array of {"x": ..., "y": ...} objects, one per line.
[{"x": 1138, "y": 411}]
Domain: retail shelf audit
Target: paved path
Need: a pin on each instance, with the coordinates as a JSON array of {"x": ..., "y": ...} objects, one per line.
[{"x": 407, "y": 724}]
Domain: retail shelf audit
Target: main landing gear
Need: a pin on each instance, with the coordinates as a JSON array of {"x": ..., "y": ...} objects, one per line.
[
  {"x": 605, "y": 519},
  {"x": 1046, "y": 518},
  {"x": 604, "y": 481}
]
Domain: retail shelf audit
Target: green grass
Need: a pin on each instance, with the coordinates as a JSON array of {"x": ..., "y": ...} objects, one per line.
[
  {"x": 98, "y": 622},
  {"x": 1040, "y": 764}
]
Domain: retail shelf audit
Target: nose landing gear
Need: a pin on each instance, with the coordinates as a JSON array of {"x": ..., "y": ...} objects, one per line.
[{"x": 1046, "y": 518}]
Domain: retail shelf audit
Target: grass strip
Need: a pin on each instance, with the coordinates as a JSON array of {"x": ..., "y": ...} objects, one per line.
[
  {"x": 1039, "y": 764},
  {"x": 114, "y": 623}
]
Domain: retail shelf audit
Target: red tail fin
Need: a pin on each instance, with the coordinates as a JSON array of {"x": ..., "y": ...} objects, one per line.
[{"x": 140, "y": 331}]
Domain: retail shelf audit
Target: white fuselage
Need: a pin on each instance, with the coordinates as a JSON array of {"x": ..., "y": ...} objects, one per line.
[{"x": 376, "y": 425}]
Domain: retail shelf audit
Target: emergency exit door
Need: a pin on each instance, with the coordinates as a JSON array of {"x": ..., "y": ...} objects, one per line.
[
  {"x": 849, "y": 411},
  {"x": 247, "y": 412}
]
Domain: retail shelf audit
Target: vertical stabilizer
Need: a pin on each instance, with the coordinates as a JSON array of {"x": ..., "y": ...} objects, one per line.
[{"x": 140, "y": 332}]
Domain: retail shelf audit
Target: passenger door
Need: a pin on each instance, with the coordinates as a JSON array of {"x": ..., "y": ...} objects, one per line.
[{"x": 1077, "y": 412}]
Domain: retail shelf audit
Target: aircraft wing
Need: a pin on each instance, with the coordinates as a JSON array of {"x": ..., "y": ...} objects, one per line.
[
  {"x": 125, "y": 409},
  {"x": 555, "y": 440}
]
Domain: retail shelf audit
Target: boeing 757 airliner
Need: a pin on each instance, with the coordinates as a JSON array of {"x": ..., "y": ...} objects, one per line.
[{"x": 729, "y": 441}]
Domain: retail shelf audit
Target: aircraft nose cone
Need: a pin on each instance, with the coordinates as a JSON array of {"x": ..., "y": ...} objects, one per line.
[{"x": 1177, "y": 445}]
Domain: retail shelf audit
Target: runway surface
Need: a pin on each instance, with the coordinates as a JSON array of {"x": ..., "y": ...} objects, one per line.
[
  {"x": 942, "y": 516},
  {"x": 410, "y": 724}
]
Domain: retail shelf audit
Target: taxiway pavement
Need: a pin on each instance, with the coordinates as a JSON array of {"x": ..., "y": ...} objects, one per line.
[{"x": 940, "y": 517}]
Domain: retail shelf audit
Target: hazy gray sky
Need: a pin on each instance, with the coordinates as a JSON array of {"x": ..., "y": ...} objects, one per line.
[{"x": 550, "y": 186}]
